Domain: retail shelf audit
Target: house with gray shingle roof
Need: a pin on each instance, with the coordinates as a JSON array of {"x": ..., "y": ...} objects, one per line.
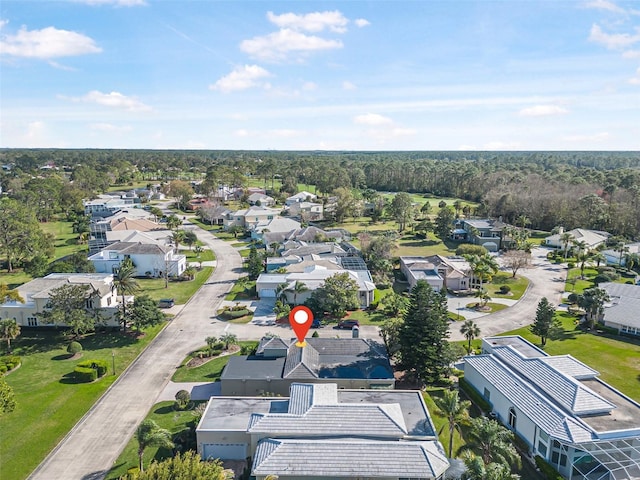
[
  {"x": 559, "y": 407},
  {"x": 278, "y": 363},
  {"x": 150, "y": 258},
  {"x": 621, "y": 312},
  {"x": 321, "y": 431}
]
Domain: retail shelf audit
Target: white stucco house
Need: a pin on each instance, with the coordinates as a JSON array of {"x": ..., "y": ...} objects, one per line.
[
  {"x": 621, "y": 312},
  {"x": 250, "y": 217},
  {"x": 614, "y": 257},
  {"x": 322, "y": 432},
  {"x": 300, "y": 197},
  {"x": 558, "y": 406},
  {"x": 592, "y": 238},
  {"x": 307, "y": 211},
  {"x": 149, "y": 259},
  {"x": 101, "y": 295},
  {"x": 438, "y": 271}
]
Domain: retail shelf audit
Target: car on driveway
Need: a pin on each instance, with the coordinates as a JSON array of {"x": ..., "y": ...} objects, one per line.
[{"x": 348, "y": 324}]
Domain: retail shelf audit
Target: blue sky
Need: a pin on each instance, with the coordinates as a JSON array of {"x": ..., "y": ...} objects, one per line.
[{"x": 306, "y": 75}]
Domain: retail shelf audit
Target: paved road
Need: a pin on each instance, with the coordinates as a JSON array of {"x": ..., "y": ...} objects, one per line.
[
  {"x": 90, "y": 449},
  {"x": 546, "y": 280}
]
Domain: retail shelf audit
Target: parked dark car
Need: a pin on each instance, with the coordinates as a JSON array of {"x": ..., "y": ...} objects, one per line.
[
  {"x": 316, "y": 323},
  {"x": 166, "y": 303},
  {"x": 348, "y": 324}
]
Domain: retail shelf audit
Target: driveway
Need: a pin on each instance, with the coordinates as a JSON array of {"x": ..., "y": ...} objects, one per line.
[
  {"x": 105, "y": 430},
  {"x": 546, "y": 280}
]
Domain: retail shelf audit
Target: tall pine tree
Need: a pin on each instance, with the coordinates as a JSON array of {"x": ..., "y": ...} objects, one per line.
[
  {"x": 423, "y": 341},
  {"x": 545, "y": 323}
]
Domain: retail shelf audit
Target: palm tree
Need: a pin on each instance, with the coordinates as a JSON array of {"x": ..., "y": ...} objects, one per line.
[
  {"x": 281, "y": 291},
  {"x": 6, "y": 294},
  {"x": 565, "y": 239},
  {"x": 149, "y": 434},
  {"x": 176, "y": 238},
  {"x": 477, "y": 470},
  {"x": 581, "y": 245},
  {"x": 599, "y": 258},
  {"x": 156, "y": 212},
  {"x": 198, "y": 251},
  {"x": 523, "y": 221},
  {"x": 471, "y": 331},
  {"x": 173, "y": 222},
  {"x": 583, "y": 258},
  {"x": 190, "y": 238},
  {"x": 454, "y": 410},
  {"x": 631, "y": 260},
  {"x": 125, "y": 283},
  {"x": 493, "y": 441},
  {"x": 229, "y": 339},
  {"x": 9, "y": 330},
  {"x": 297, "y": 288},
  {"x": 190, "y": 272}
]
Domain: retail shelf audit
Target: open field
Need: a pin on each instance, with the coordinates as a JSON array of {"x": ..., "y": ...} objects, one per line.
[{"x": 49, "y": 401}]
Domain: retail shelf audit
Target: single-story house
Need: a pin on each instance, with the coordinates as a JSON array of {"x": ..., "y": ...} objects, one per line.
[
  {"x": 307, "y": 211},
  {"x": 261, "y": 199},
  {"x": 615, "y": 257},
  {"x": 149, "y": 259},
  {"x": 559, "y": 408},
  {"x": 274, "y": 225},
  {"x": 621, "y": 312},
  {"x": 313, "y": 274},
  {"x": 111, "y": 203},
  {"x": 101, "y": 295},
  {"x": 250, "y": 217},
  {"x": 308, "y": 235},
  {"x": 321, "y": 431},
  {"x": 347, "y": 362},
  {"x": 592, "y": 238},
  {"x": 300, "y": 197},
  {"x": 438, "y": 271},
  {"x": 486, "y": 232}
]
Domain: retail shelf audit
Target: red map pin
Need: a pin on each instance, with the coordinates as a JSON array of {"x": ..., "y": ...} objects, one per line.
[{"x": 300, "y": 318}]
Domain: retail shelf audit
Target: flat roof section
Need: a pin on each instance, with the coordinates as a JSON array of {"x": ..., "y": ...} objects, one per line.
[
  {"x": 525, "y": 348},
  {"x": 233, "y": 413},
  {"x": 626, "y": 415}
]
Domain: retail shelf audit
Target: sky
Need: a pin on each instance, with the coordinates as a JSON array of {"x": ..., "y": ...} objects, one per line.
[{"x": 308, "y": 75}]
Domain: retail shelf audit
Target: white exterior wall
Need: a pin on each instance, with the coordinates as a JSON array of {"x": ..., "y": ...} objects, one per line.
[
  {"x": 223, "y": 437},
  {"x": 144, "y": 263}
]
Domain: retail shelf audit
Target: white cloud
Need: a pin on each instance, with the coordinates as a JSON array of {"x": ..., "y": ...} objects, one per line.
[
  {"x": 3, "y": 23},
  {"x": 239, "y": 116},
  {"x": 542, "y": 111},
  {"x": 347, "y": 85},
  {"x": 631, "y": 54},
  {"x": 285, "y": 133},
  {"x": 613, "y": 41},
  {"x": 108, "y": 127},
  {"x": 635, "y": 80},
  {"x": 372, "y": 119},
  {"x": 47, "y": 43},
  {"x": 311, "y": 22},
  {"x": 402, "y": 132},
  {"x": 501, "y": 146},
  {"x": 115, "y": 100},
  {"x": 596, "y": 137},
  {"x": 241, "y": 133},
  {"x": 277, "y": 46},
  {"x": 605, "y": 5},
  {"x": 361, "y": 22},
  {"x": 242, "y": 78},
  {"x": 309, "y": 86}
]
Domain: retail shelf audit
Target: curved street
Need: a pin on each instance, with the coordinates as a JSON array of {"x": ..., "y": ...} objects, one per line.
[
  {"x": 546, "y": 280},
  {"x": 90, "y": 448}
]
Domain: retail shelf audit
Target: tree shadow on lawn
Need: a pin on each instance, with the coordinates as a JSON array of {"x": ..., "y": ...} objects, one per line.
[
  {"x": 165, "y": 409},
  {"x": 420, "y": 243},
  {"x": 32, "y": 341}
]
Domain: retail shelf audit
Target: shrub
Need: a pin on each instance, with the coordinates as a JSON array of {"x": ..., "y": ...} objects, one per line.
[
  {"x": 100, "y": 366},
  {"x": 74, "y": 347},
  {"x": 469, "y": 249},
  {"x": 3, "y": 369},
  {"x": 183, "y": 397},
  {"x": 85, "y": 375},
  {"x": 504, "y": 289},
  {"x": 9, "y": 362},
  {"x": 547, "y": 470},
  {"x": 475, "y": 397},
  {"x": 249, "y": 348},
  {"x": 315, "y": 334},
  {"x": 231, "y": 314},
  {"x": 571, "y": 265},
  {"x": 572, "y": 298},
  {"x": 602, "y": 278}
]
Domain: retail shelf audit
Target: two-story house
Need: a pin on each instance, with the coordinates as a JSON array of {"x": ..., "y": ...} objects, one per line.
[
  {"x": 151, "y": 259},
  {"x": 487, "y": 232}
]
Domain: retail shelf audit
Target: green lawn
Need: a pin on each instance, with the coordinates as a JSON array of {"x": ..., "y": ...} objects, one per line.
[
  {"x": 616, "y": 358},
  {"x": 412, "y": 245},
  {"x": 180, "y": 291},
  {"x": 181, "y": 424},
  {"x": 580, "y": 283},
  {"x": 495, "y": 307},
  {"x": 208, "y": 372},
  {"x": 206, "y": 255},
  {"x": 242, "y": 290},
  {"x": 49, "y": 403},
  {"x": 518, "y": 285}
]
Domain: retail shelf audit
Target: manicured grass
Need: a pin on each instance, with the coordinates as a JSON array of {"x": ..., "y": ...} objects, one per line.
[
  {"x": 412, "y": 245},
  {"x": 616, "y": 358},
  {"x": 181, "y": 424},
  {"x": 245, "y": 290},
  {"x": 181, "y": 292},
  {"x": 368, "y": 317},
  {"x": 206, "y": 255},
  {"x": 518, "y": 285},
  {"x": 495, "y": 307},
  {"x": 208, "y": 372},
  {"x": 581, "y": 284},
  {"x": 49, "y": 403},
  {"x": 66, "y": 242}
]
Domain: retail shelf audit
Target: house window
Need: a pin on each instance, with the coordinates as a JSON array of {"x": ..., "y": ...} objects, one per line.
[
  {"x": 486, "y": 394},
  {"x": 88, "y": 303},
  {"x": 32, "y": 321},
  {"x": 108, "y": 300},
  {"x": 512, "y": 418}
]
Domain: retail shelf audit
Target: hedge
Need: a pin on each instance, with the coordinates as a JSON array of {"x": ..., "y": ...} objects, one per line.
[
  {"x": 235, "y": 314},
  {"x": 84, "y": 374},
  {"x": 100, "y": 366},
  {"x": 9, "y": 362}
]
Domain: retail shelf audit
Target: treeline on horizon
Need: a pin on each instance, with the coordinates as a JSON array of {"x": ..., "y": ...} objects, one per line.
[{"x": 597, "y": 190}]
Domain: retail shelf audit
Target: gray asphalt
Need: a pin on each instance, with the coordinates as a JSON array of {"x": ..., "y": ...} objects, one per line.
[
  {"x": 546, "y": 280},
  {"x": 92, "y": 446}
]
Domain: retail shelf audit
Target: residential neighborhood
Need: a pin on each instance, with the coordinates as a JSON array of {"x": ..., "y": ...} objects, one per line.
[{"x": 185, "y": 298}]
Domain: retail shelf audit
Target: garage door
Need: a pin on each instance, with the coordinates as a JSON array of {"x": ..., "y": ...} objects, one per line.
[
  {"x": 224, "y": 451},
  {"x": 267, "y": 293}
]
